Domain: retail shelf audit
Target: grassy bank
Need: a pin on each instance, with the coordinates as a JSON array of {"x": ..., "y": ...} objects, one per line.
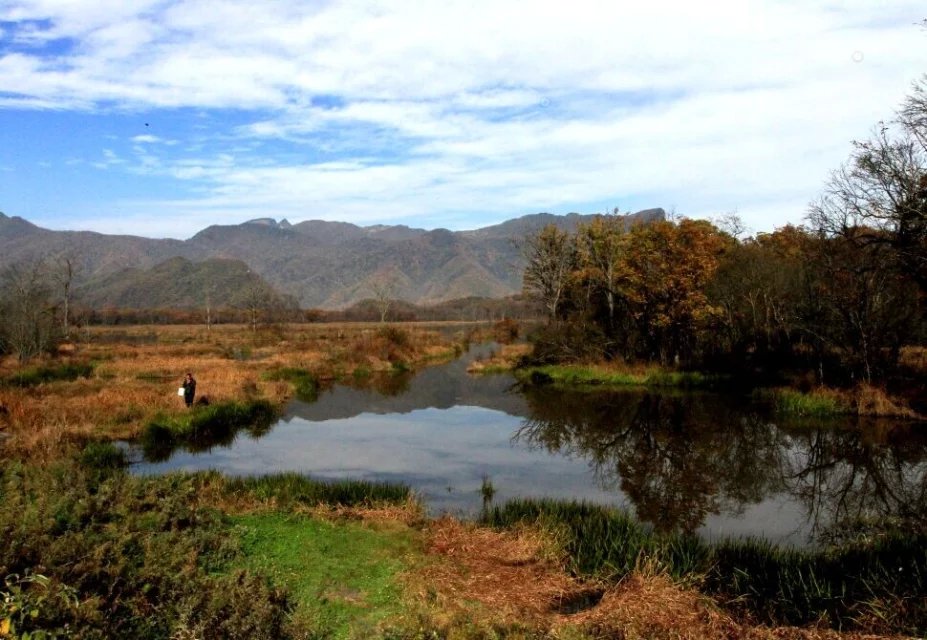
[
  {"x": 884, "y": 579},
  {"x": 98, "y": 553},
  {"x": 204, "y": 427},
  {"x": 92, "y": 551},
  {"x": 822, "y": 402},
  {"x": 579, "y": 376}
]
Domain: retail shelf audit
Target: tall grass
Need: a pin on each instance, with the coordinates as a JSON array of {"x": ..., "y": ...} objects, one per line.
[
  {"x": 841, "y": 585},
  {"x": 289, "y": 489},
  {"x": 124, "y": 557},
  {"x": 795, "y": 403}
]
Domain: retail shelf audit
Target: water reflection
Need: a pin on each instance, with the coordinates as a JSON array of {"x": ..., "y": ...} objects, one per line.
[
  {"x": 852, "y": 481},
  {"x": 696, "y": 462},
  {"x": 678, "y": 458}
]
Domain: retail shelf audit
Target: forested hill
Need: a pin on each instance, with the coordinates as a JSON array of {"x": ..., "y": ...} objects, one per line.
[{"x": 321, "y": 264}]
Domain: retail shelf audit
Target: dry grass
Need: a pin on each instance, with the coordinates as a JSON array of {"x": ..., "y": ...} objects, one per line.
[
  {"x": 872, "y": 401},
  {"x": 503, "y": 360},
  {"x": 914, "y": 358},
  {"x": 497, "y": 578},
  {"x": 138, "y": 371}
]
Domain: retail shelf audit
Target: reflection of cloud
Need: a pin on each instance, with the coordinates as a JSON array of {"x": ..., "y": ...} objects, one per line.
[{"x": 460, "y": 108}]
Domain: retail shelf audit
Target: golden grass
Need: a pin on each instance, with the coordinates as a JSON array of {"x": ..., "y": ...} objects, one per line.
[
  {"x": 504, "y": 359},
  {"x": 914, "y": 358},
  {"x": 493, "y": 578},
  {"x": 873, "y": 401},
  {"x": 139, "y": 368}
]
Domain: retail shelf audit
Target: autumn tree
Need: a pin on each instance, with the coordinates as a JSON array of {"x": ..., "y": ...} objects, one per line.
[
  {"x": 669, "y": 266},
  {"x": 758, "y": 288}
]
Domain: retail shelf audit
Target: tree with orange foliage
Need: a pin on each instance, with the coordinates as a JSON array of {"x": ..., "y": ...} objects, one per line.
[{"x": 668, "y": 267}]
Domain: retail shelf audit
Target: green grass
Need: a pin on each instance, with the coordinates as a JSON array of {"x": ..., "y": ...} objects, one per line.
[
  {"x": 791, "y": 402},
  {"x": 305, "y": 386},
  {"x": 35, "y": 376},
  {"x": 580, "y": 376},
  {"x": 343, "y": 578}
]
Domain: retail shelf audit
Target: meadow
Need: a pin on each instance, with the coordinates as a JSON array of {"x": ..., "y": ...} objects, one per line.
[{"x": 91, "y": 551}]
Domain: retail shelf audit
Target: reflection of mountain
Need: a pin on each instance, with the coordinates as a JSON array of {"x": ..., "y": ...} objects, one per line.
[{"x": 440, "y": 387}]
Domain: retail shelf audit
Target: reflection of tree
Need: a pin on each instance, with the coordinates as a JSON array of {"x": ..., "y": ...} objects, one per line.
[
  {"x": 678, "y": 458},
  {"x": 868, "y": 477}
]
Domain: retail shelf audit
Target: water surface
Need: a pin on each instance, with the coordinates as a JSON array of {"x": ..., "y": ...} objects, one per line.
[{"x": 714, "y": 464}]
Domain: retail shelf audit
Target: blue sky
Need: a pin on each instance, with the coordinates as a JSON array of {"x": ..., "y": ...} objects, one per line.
[{"x": 160, "y": 117}]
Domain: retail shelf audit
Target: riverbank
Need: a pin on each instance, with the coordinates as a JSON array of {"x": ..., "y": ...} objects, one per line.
[
  {"x": 94, "y": 551},
  {"x": 862, "y": 400}
]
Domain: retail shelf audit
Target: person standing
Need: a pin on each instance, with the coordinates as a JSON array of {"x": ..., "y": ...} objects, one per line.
[{"x": 189, "y": 389}]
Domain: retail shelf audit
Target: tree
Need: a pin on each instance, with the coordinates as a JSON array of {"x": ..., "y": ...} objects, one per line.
[
  {"x": 669, "y": 267},
  {"x": 550, "y": 255},
  {"x": 602, "y": 247},
  {"x": 63, "y": 274},
  {"x": 880, "y": 195},
  {"x": 28, "y": 314},
  {"x": 383, "y": 291}
]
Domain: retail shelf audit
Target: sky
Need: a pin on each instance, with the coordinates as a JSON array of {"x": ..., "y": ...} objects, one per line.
[{"x": 160, "y": 117}]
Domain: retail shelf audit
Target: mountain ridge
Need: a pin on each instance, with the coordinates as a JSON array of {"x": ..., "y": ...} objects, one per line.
[{"x": 322, "y": 264}]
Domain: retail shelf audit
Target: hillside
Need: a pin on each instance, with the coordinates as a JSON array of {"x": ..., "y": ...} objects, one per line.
[
  {"x": 176, "y": 283},
  {"x": 320, "y": 263}
]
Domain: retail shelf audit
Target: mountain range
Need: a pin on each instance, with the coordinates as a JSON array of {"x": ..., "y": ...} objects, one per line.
[{"x": 319, "y": 263}]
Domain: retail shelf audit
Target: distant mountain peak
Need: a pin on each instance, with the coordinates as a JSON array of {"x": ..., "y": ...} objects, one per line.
[{"x": 269, "y": 222}]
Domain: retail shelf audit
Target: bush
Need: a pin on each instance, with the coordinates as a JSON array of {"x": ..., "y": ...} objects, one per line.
[{"x": 125, "y": 557}]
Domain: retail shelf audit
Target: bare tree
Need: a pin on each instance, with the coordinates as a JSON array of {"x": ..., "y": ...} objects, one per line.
[
  {"x": 549, "y": 256},
  {"x": 383, "y": 291},
  {"x": 880, "y": 195},
  {"x": 28, "y": 315},
  {"x": 63, "y": 274}
]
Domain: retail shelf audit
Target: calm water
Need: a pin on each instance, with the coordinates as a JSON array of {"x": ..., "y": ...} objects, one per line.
[{"x": 708, "y": 463}]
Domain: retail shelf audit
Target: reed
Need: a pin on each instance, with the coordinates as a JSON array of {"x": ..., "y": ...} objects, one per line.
[{"x": 818, "y": 404}]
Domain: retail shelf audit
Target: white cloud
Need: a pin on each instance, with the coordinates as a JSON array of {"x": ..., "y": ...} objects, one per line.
[{"x": 446, "y": 108}]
